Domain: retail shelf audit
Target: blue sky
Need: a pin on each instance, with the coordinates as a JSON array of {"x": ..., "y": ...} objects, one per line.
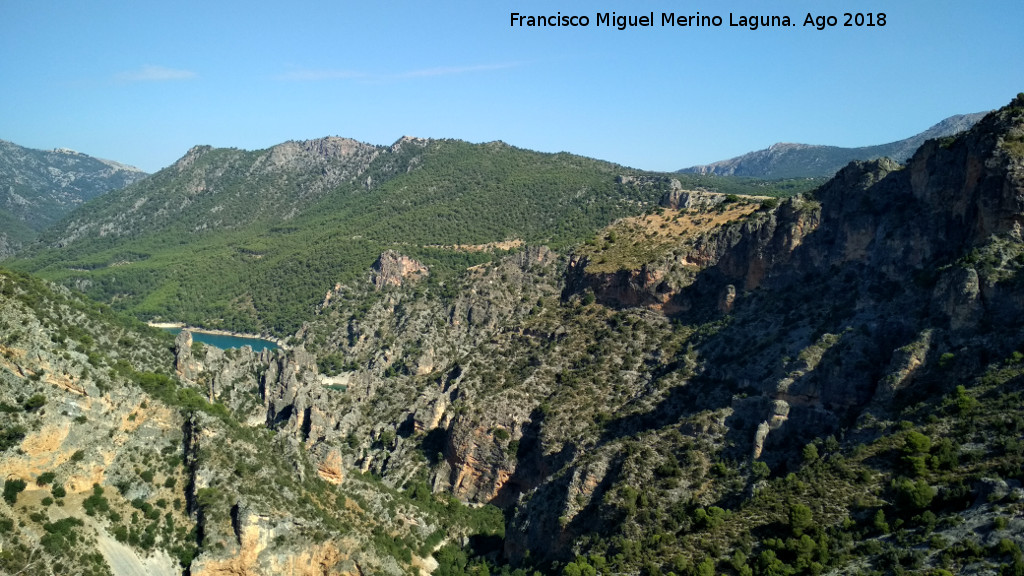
[{"x": 141, "y": 82}]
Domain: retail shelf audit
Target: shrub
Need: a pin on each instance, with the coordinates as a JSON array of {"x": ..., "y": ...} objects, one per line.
[
  {"x": 917, "y": 443},
  {"x": 12, "y": 436},
  {"x": 963, "y": 403},
  {"x": 96, "y": 502},
  {"x": 60, "y": 535},
  {"x": 760, "y": 470},
  {"x": 13, "y": 487},
  {"x": 914, "y": 495},
  {"x": 810, "y": 453},
  {"x": 706, "y": 568},
  {"x": 34, "y": 403},
  {"x": 387, "y": 438},
  {"x": 800, "y": 519},
  {"x": 880, "y": 523}
]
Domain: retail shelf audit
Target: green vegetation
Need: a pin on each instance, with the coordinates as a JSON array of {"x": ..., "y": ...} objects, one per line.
[
  {"x": 617, "y": 437},
  {"x": 11, "y": 436},
  {"x": 254, "y": 272},
  {"x": 13, "y": 487}
]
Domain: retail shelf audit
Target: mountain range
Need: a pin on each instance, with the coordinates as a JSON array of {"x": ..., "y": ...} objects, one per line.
[
  {"x": 500, "y": 361},
  {"x": 784, "y": 160},
  {"x": 39, "y": 187},
  {"x": 251, "y": 240}
]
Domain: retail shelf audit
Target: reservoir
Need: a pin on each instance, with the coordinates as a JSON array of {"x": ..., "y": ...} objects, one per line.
[{"x": 224, "y": 341}]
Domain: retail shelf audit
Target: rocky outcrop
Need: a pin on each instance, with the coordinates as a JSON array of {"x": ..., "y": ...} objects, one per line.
[
  {"x": 394, "y": 269},
  {"x": 679, "y": 199},
  {"x": 480, "y": 464},
  {"x": 738, "y": 254},
  {"x": 255, "y": 554}
]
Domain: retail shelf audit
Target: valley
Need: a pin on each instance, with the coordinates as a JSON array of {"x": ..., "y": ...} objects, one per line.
[{"x": 497, "y": 361}]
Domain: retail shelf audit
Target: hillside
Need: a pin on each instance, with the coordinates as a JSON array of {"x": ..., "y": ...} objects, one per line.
[
  {"x": 252, "y": 241},
  {"x": 784, "y": 160},
  {"x": 713, "y": 384},
  {"x": 39, "y": 187},
  {"x": 830, "y": 382},
  {"x": 113, "y": 466}
]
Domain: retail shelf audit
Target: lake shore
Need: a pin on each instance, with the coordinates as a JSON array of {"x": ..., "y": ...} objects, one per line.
[{"x": 166, "y": 325}]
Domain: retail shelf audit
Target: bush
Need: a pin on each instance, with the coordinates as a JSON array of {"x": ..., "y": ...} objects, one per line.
[
  {"x": 914, "y": 495},
  {"x": 880, "y": 523},
  {"x": 13, "y": 487},
  {"x": 963, "y": 403},
  {"x": 800, "y": 519},
  {"x": 917, "y": 443},
  {"x": 810, "y": 453},
  {"x": 34, "y": 403},
  {"x": 11, "y": 436},
  {"x": 760, "y": 470},
  {"x": 96, "y": 502},
  {"x": 60, "y": 535}
]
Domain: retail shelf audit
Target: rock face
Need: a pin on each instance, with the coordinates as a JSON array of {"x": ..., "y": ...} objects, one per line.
[
  {"x": 871, "y": 237},
  {"x": 679, "y": 199},
  {"x": 252, "y": 553},
  {"x": 394, "y": 269}
]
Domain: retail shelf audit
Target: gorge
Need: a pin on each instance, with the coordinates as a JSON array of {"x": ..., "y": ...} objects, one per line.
[{"x": 500, "y": 361}]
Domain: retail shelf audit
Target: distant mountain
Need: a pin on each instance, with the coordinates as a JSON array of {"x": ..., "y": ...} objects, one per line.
[
  {"x": 39, "y": 187},
  {"x": 785, "y": 160}
]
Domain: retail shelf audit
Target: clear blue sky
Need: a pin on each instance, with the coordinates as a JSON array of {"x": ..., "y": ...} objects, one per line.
[{"x": 141, "y": 82}]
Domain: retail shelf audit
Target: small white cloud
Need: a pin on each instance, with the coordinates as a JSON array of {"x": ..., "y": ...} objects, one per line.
[
  {"x": 155, "y": 74},
  {"x": 317, "y": 75}
]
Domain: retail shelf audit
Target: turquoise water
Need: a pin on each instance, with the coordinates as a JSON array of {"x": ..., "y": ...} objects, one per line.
[{"x": 225, "y": 342}]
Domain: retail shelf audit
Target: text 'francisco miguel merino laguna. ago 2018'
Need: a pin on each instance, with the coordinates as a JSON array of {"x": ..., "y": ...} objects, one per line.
[{"x": 754, "y": 22}]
